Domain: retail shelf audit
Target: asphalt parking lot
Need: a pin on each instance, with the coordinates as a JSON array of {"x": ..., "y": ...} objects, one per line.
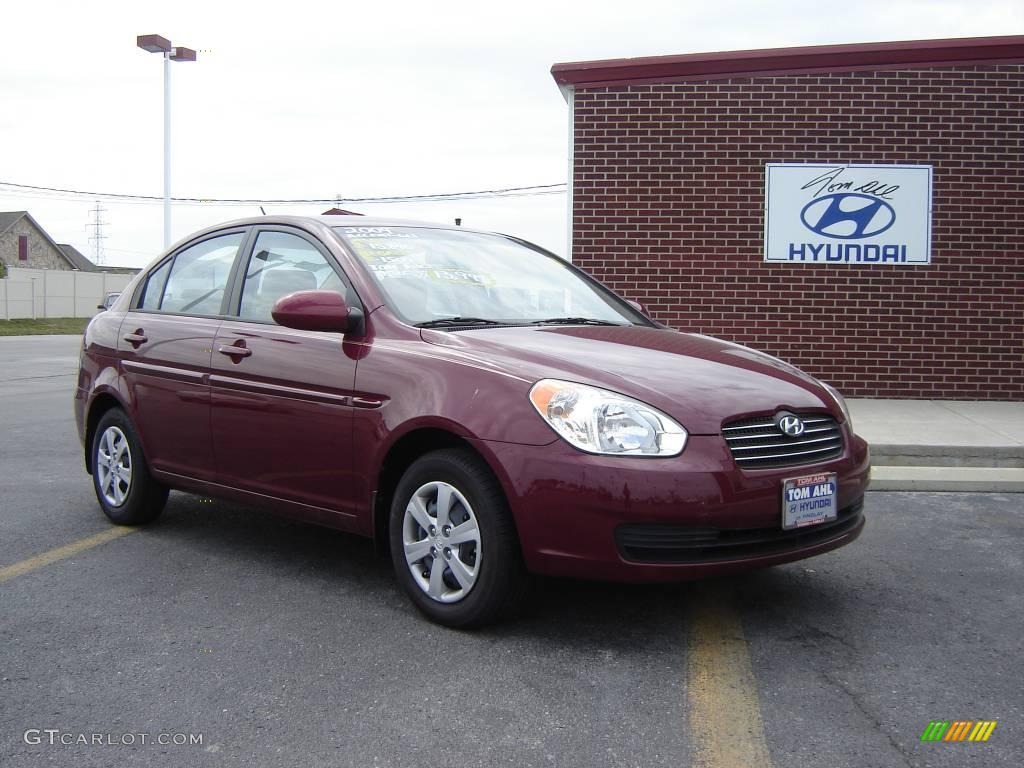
[{"x": 287, "y": 645}]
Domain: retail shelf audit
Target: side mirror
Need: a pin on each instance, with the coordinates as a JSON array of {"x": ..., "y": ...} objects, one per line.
[
  {"x": 638, "y": 307},
  {"x": 317, "y": 311},
  {"x": 101, "y": 308}
]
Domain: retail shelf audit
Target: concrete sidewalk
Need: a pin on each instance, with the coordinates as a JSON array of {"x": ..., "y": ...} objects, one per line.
[{"x": 943, "y": 445}]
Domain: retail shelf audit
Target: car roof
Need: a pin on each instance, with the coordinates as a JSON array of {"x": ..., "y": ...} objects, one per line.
[
  {"x": 341, "y": 221},
  {"x": 313, "y": 222}
]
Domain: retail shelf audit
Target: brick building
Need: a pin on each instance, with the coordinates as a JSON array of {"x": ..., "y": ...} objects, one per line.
[{"x": 669, "y": 158}]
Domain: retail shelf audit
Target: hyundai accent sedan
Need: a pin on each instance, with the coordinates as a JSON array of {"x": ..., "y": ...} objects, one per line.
[{"x": 477, "y": 406}]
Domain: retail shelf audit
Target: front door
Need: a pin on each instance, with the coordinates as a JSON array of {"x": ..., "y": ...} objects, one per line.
[{"x": 282, "y": 419}]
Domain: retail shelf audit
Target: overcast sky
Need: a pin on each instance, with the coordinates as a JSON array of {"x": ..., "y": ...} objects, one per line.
[{"x": 304, "y": 99}]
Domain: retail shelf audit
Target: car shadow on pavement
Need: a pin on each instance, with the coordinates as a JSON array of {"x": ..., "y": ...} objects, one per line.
[
  {"x": 252, "y": 532},
  {"x": 565, "y": 611}
]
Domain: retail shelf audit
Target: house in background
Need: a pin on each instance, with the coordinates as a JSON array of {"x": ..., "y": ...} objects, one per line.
[
  {"x": 23, "y": 243},
  {"x": 82, "y": 263},
  {"x": 76, "y": 257},
  {"x": 44, "y": 278}
]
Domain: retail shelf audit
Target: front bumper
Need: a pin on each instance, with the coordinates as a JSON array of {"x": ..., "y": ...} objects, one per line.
[{"x": 651, "y": 519}]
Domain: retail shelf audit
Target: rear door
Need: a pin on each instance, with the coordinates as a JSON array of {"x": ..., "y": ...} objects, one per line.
[
  {"x": 166, "y": 343},
  {"x": 282, "y": 418}
]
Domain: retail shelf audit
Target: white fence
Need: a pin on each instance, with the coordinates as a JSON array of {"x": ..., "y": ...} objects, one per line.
[{"x": 55, "y": 293}]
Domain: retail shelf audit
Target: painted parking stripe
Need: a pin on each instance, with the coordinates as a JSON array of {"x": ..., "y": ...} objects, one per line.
[
  {"x": 725, "y": 715},
  {"x": 60, "y": 553}
]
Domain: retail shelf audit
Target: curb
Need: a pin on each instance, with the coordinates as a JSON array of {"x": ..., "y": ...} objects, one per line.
[
  {"x": 948, "y": 478},
  {"x": 963, "y": 468},
  {"x": 982, "y": 456}
]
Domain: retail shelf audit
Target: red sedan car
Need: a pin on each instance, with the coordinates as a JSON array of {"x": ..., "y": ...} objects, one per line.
[{"x": 478, "y": 406}]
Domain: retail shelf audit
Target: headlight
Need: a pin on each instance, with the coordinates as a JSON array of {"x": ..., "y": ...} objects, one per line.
[
  {"x": 598, "y": 421},
  {"x": 841, "y": 403}
]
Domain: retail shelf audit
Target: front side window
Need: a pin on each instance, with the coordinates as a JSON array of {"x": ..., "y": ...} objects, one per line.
[
  {"x": 283, "y": 263},
  {"x": 198, "y": 277},
  {"x": 431, "y": 275}
]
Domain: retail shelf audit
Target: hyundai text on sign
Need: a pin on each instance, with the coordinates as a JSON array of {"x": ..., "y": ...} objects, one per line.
[{"x": 848, "y": 214}]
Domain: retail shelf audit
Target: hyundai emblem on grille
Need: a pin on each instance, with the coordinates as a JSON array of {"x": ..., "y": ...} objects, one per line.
[{"x": 789, "y": 424}]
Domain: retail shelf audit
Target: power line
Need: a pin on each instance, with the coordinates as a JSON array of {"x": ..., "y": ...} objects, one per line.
[{"x": 535, "y": 189}]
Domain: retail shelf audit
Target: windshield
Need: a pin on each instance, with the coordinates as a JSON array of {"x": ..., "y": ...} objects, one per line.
[{"x": 436, "y": 275}]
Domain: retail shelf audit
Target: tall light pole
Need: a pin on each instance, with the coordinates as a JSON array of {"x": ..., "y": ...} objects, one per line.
[{"x": 157, "y": 44}]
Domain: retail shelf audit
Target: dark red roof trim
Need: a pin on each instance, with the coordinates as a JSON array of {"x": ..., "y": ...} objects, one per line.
[{"x": 786, "y": 61}]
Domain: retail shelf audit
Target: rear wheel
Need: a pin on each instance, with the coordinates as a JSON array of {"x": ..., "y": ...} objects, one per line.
[
  {"x": 126, "y": 491},
  {"x": 453, "y": 543}
]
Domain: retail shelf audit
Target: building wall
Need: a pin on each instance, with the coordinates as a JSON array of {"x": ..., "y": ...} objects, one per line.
[
  {"x": 668, "y": 208},
  {"x": 41, "y": 255}
]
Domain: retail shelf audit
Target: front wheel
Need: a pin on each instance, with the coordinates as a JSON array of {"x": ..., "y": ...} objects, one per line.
[
  {"x": 126, "y": 491},
  {"x": 453, "y": 542}
]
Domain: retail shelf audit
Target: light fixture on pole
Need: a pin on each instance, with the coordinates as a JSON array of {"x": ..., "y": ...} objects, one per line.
[{"x": 157, "y": 44}]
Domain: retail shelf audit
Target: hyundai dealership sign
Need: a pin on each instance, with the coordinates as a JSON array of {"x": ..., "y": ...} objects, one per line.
[{"x": 848, "y": 214}]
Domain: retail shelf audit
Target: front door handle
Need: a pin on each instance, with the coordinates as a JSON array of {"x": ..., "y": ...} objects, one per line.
[
  {"x": 136, "y": 338},
  {"x": 234, "y": 351}
]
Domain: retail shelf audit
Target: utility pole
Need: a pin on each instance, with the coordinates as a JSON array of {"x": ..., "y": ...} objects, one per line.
[{"x": 97, "y": 237}]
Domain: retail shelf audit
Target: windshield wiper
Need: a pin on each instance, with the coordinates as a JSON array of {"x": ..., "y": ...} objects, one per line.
[
  {"x": 574, "y": 321},
  {"x": 449, "y": 322}
]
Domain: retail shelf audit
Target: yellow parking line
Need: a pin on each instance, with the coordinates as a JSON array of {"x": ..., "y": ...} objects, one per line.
[
  {"x": 68, "y": 550},
  {"x": 725, "y": 715}
]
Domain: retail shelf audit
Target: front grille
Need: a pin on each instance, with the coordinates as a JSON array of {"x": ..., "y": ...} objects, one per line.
[
  {"x": 657, "y": 543},
  {"x": 758, "y": 443}
]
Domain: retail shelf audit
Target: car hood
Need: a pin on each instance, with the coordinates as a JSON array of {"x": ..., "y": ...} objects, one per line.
[{"x": 700, "y": 381}]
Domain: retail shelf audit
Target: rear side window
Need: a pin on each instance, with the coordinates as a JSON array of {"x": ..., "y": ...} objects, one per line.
[
  {"x": 154, "y": 290},
  {"x": 281, "y": 264},
  {"x": 198, "y": 277}
]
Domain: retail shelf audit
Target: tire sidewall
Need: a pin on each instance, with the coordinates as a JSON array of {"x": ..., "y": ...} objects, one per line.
[
  {"x": 448, "y": 466},
  {"x": 136, "y": 508}
]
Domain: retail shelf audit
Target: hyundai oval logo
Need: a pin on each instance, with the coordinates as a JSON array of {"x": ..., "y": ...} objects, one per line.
[
  {"x": 790, "y": 425},
  {"x": 848, "y": 216}
]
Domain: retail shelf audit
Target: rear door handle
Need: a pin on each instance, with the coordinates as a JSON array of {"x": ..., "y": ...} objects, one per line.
[
  {"x": 366, "y": 402},
  {"x": 136, "y": 338},
  {"x": 233, "y": 351}
]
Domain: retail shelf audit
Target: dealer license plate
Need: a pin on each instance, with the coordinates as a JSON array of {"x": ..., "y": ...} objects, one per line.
[{"x": 809, "y": 500}]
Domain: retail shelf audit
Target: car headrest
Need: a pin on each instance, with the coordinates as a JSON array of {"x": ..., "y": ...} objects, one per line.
[{"x": 279, "y": 282}]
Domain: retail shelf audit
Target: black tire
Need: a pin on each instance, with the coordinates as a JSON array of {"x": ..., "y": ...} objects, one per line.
[
  {"x": 143, "y": 497},
  {"x": 500, "y": 577}
]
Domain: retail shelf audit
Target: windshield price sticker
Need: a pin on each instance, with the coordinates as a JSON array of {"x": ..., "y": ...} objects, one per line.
[
  {"x": 809, "y": 500},
  {"x": 356, "y": 233},
  {"x": 395, "y": 270},
  {"x": 395, "y": 260},
  {"x": 374, "y": 249}
]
